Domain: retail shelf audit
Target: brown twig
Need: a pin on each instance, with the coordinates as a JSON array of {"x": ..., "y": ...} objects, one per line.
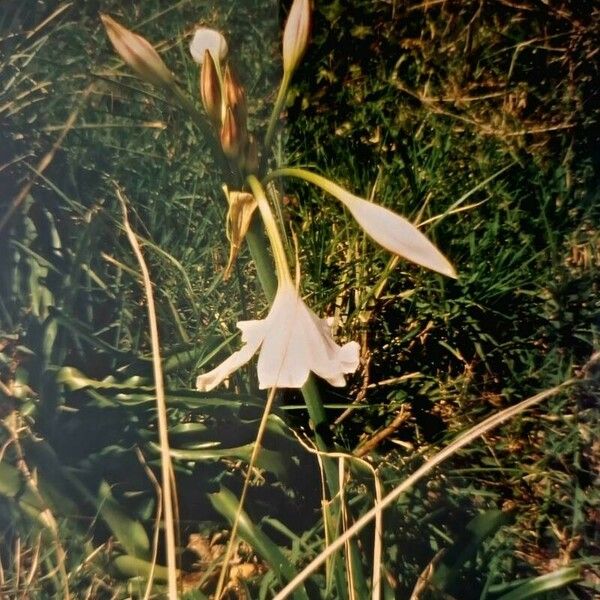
[{"x": 376, "y": 439}]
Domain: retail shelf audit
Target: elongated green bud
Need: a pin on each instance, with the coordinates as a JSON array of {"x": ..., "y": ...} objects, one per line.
[
  {"x": 210, "y": 88},
  {"x": 295, "y": 34},
  {"x": 138, "y": 53}
]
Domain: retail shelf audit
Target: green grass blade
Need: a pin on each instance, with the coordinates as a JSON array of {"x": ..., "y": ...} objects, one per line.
[{"x": 544, "y": 583}]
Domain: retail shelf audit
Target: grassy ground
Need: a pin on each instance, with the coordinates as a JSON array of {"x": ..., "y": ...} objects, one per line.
[{"x": 478, "y": 120}]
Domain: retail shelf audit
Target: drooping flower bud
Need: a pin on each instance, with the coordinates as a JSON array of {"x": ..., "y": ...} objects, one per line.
[
  {"x": 241, "y": 208},
  {"x": 138, "y": 53},
  {"x": 210, "y": 88},
  {"x": 232, "y": 139},
  {"x": 211, "y": 40},
  {"x": 295, "y": 34}
]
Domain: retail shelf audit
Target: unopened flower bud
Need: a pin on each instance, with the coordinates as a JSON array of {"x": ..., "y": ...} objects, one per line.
[
  {"x": 210, "y": 88},
  {"x": 232, "y": 140},
  {"x": 138, "y": 53},
  {"x": 211, "y": 40},
  {"x": 235, "y": 97},
  {"x": 295, "y": 34}
]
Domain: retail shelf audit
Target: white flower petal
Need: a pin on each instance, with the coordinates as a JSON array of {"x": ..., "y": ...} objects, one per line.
[
  {"x": 298, "y": 342},
  {"x": 313, "y": 350},
  {"x": 211, "y": 40},
  {"x": 252, "y": 334},
  {"x": 293, "y": 342},
  {"x": 283, "y": 359},
  {"x": 283, "y": 363},
  {"x": 396, "y": 234},
  {"x": 348, "y": 358},
  {"x": 328, "y": 360}
]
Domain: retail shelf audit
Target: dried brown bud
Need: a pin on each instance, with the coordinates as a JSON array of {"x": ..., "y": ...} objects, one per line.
[
  {"x": 235, "y": 97},
  {"x": 241, "y": 207},
  {"x": 232, "y": 138}
]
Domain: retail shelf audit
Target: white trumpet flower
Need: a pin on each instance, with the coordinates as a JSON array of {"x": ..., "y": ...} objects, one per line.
[
  {"x": 293, "y": 341},
  {"x": 211, "y": 40}
]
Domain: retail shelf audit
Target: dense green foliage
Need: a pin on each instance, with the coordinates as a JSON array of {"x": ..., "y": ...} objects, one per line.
[{"x": 479, "y": 120}]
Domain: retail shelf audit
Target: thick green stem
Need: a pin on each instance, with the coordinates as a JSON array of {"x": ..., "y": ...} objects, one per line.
[
  {"x": 310, "y": 390},
  {"x": 281, "y": 266},
  {"x": 257, "y": 243},
  {"x": 320, "y": 425}
]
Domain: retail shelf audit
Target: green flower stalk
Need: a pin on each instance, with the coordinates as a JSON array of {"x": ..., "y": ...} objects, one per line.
[{"x": 295, "y": 42}]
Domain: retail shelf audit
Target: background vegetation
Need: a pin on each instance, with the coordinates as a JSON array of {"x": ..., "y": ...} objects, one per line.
[{"x": 477, "y": 119}]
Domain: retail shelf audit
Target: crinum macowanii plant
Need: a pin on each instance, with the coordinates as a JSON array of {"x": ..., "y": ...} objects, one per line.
[{"x": 291, "y": 341}]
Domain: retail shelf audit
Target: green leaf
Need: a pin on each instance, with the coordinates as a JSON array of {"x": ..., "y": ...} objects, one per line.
[
  {"x": 269, "y": 460},
  {"x": 34, "y": 502},
  {"x": 76, "y": 380},
  {"x": 54, "y": 482},
  {"x": 130, "y": 533},
  {"x": 133, "y": 566},
  {"x": 544, "y": 583},
  {"x": 196, "y": 355},
  {"x": 13, "y": 486},
  {"x": 190, "y": 435}
]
